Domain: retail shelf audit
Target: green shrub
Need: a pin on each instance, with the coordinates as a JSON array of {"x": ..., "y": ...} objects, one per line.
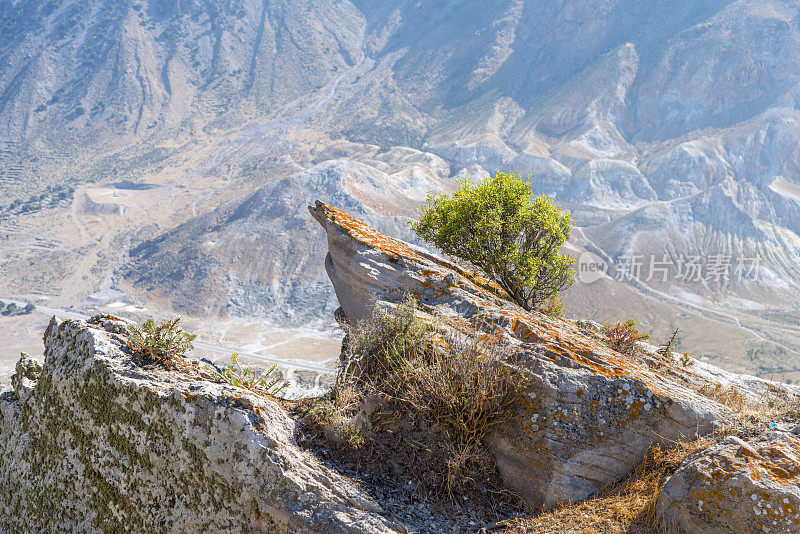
[
  {"x": 247, "y": 378},
  {"x": 351, "y": 434},
  {"x": 513, "y": 238},
  {"x": 160, "y": 343},
  {"x": 623, "y": 337}
]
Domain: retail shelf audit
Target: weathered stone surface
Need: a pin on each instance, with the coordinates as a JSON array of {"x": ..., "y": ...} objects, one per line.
[
  {"x": 92, "y": 442},
  {"x": 24, "y": 379},
  {"x": 592, "y": 412},
  {"x": 737, "y": 486}
]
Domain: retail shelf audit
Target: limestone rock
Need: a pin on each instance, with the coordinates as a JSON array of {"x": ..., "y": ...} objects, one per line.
[
  {"x": 592, "y": 412},
  {"x": 737, "y": 486},
  {"x": 92, "y": 442},
  {"x": 27, "y": 373}
]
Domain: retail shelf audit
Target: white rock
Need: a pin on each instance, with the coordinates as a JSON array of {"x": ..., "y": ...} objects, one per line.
[{"x": 90, "y": 441}]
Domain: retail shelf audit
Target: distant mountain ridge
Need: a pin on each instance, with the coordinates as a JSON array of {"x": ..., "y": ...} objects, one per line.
[{"x": 665, "y": 127}]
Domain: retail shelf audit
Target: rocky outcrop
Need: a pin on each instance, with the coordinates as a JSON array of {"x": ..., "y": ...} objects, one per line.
[
  {"x": 738, "y": 485},
  {"x": 90, "y": 441},
  {"x": 591, "y": 413}
]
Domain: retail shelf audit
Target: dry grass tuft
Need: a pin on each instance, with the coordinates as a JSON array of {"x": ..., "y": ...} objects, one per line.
[
  {"x": 469, "y": 390},
  {"x": 730, "y": 396},
  {"x": 628, "y": 507},
  {"x": 464, "y": 386},
  {"x": 403, "y": 378},
  {"x": 775, "y": 406},
  {"x": 623, "y": 337}
]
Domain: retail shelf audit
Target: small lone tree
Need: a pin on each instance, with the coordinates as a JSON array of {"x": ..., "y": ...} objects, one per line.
[{"x": 513, "y": 238}]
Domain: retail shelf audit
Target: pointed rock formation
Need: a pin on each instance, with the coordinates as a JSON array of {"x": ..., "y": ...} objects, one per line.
[{"x": 591, "y": 413}]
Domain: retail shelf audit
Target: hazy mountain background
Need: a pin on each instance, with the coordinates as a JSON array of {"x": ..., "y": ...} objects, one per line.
[{"x": 160, "y": 154}]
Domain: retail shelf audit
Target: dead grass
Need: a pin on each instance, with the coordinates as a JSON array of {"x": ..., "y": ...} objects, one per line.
[
  {"x": 628, "y": 507},
  {"x": 469, "y": 390},
  {"x": 464, "y": 386},
  {"x": 775, "y": 406},
  {"x": 404, "y": 379},
  {"x": 623, "y": 337},
  {"x": 730, "y": 397}
]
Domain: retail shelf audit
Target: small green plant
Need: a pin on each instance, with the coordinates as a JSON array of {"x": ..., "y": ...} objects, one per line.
[
  {"x": 686, "y": 360},
  {"x": 247, "y": 378},
  {"x": 350, "y": 433},
  {"x": 622, "y": 337},
  {"x": 161, "y": 343},
  {"x": 665, "y": 351},
  {"x": 324, "y": 412},
  {"x": 513, "y": 238}
]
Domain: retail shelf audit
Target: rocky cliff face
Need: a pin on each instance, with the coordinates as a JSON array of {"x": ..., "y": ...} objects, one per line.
[{"x": 92, "y": 442}]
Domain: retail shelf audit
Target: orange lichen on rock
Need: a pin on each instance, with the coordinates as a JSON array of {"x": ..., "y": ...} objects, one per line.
[
  {"x": 366, "y": 235},
  {"x": 751, "y": 485},
  {"x": 554, "y": 335}
]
